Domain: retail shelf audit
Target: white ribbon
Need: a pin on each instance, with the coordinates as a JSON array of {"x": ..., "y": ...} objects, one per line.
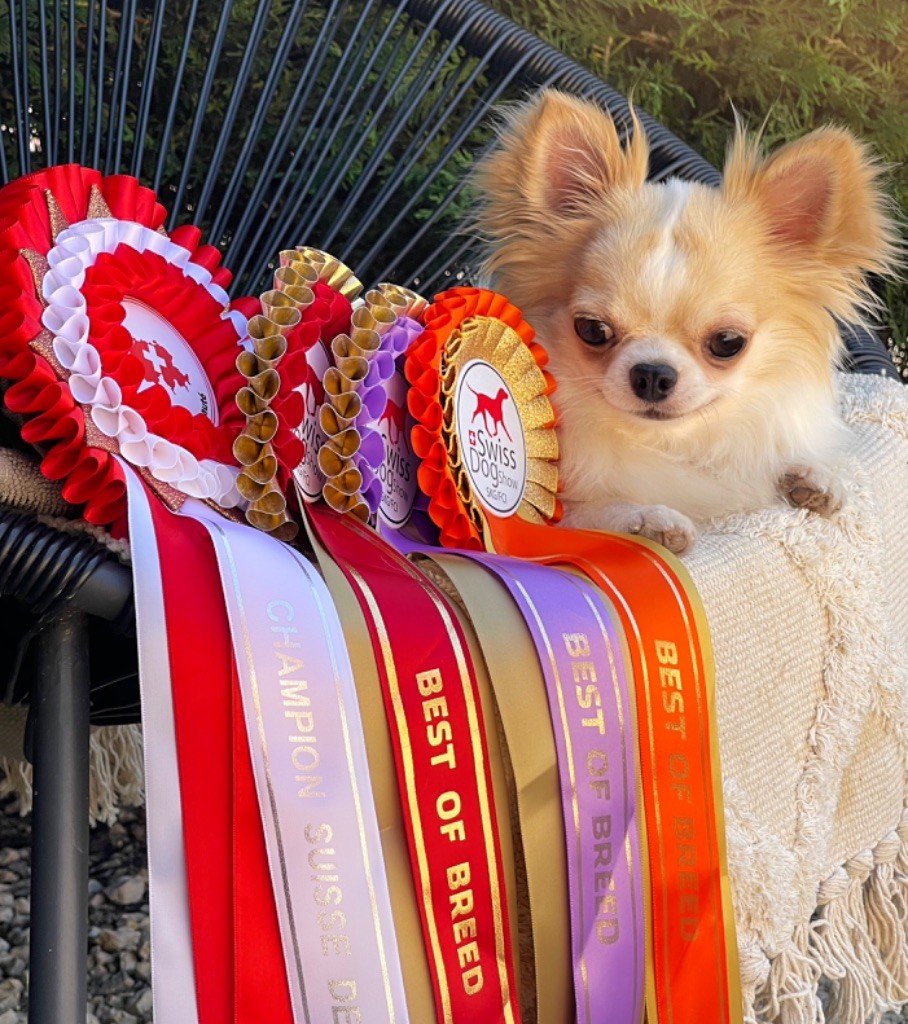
[
  {"x": 312, "y": 778},
  {"x": 172, "y": 973}
]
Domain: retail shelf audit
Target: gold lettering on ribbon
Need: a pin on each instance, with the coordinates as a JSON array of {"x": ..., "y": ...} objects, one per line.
[
  {"x": 439, "y": 733},
  {"x": 586, "y": 692},
  {"x": 332, "y": 922},
  {"x": 683, "y": 832},
  {"x": 304, "y": 754}
]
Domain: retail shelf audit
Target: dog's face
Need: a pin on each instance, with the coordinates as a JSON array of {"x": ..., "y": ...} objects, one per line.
[
  {"x": 673, "y": 303},
  {"x": 663, "y": 313}
]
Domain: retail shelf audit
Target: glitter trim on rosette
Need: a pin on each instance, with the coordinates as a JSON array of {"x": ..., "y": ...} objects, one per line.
[
  {"x": 473, "y": 331},
  {"x": 117, "y": 340},
  {"x": 356, "y": 396}
]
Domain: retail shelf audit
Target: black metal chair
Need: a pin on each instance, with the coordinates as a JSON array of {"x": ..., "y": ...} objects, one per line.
[{"x": 348, "y": 126}]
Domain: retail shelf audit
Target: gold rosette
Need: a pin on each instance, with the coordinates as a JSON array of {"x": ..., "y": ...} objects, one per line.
[
  {"x": 346, "y": 410},
  {"x": 502, "y": 348},
  {"x": 283, "y": 309}
]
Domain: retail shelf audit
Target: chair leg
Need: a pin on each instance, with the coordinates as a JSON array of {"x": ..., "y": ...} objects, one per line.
[{"x": 59, "y": 880}]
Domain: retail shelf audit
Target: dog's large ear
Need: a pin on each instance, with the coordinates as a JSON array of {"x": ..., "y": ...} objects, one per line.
[
  {"x": 558, "y": 152},
  {"x": 821, "y": 199}
]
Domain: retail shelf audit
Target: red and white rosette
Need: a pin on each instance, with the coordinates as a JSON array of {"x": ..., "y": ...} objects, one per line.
[{"x": 117, "y": 340}]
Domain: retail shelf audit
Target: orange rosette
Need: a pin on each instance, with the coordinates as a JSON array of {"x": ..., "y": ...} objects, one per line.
[
  {"x": 484, "y": 430},
  {"x": 117, "y": 340}
]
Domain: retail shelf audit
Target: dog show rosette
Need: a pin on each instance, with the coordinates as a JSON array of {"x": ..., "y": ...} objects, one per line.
[
  {"x": 118, "y": 341},
  {"x": 484, "y": 434},
  {"x": 308, "y": 733},
  {"x": 484, "y": 423}
]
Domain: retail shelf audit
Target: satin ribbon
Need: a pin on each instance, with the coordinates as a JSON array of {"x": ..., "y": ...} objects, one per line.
[
  {"x": 435, "y": 718},
  {"x": 582, "y": 657},
  {"x": 172, "y": 973},
  {"x": 236, "y": 944},
  {"x": 312, "y": 780},
  {"x": 692, "y": 924},
  {"x": 522, "y": 708}
]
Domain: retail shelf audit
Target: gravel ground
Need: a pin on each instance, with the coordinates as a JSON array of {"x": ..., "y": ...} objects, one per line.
[{"x": 118, "y": 947}]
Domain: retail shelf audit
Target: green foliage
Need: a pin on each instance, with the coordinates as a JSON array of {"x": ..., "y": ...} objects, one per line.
[{"x": 793, "y": 64}]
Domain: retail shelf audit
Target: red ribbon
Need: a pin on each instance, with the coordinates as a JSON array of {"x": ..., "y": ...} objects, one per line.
[
  {"x": 239, "y": 963},
  {"x": 437, "y": 733}
]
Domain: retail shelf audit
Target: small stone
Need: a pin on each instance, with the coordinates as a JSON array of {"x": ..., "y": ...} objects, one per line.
[
  {"x": 119, "y": 1017},
  {"x": 9, "y": 1017},
  {"x": 90, "y": 1018},
  {"x": 8, "y": 855},
  {"x": 109, "y": 941},
  {"x": 142, "y": 1006},
  {"x": 128, "y": 962},
  {"x": 127, "y": 890},
  {"x": 143, "y": 970},
  {"x": 15, "y": 969},
  {"x": 7, "y": 915},
  {"x": 10, "y": 994},
  {"x": 23, "y": 905},
  {"x": 94, "y": 886}
]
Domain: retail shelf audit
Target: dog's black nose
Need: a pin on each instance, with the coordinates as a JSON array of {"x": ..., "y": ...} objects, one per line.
[{"x": 653, "y": 382}]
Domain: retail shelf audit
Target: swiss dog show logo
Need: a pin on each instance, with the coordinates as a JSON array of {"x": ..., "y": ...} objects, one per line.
[
  {"x": 491, "y": 438},
  {"x": 168, "y": 360},
  {"x": 398, "y": 471}
]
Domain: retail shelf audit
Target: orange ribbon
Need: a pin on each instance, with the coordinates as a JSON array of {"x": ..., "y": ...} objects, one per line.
[{"x": 693, "y": 952}]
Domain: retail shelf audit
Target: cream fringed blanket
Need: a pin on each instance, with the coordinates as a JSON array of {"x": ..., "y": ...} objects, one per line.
[{"x": 809, "y": 621}]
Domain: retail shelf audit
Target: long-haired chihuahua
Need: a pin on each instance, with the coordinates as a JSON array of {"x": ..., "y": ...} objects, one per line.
[{"x": 691, "y": 329}]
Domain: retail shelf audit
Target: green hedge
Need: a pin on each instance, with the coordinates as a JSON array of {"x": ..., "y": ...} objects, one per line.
[{"x": 797, "y": 64}]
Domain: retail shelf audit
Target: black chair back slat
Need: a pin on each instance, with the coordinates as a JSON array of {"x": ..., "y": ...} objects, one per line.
[
  {"x": 201, "y": 112},
  {"x": 273, "y": 179},
  {"x": 225, "y": 137},
  {"x": 251, "y": 138},
  {"x": 153, "y": 48},
  {"x": 177, "y": 99}
]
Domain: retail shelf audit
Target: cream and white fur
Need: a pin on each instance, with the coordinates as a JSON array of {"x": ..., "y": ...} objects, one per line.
[{"x": 577, "y": 236}]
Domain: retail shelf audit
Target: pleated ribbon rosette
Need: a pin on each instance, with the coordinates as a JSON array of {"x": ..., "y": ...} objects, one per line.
[
  {"x": 117, "y": 339},
  {"x": 125, "y": 361}
]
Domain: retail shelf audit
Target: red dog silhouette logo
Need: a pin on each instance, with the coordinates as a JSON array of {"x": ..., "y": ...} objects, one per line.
[
  {"x": 396, "y": 418},
  {"x": 159, "y": 365},
  {"x": 492, "y": 411}
]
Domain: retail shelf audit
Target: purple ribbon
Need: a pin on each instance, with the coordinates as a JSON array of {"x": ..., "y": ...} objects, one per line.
[{"x": 581, "y": 654}]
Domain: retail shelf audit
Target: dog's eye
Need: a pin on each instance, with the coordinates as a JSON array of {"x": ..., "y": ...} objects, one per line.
[
  {"x": 726, "y": 344},
  {"x": 593, "y": 332}
]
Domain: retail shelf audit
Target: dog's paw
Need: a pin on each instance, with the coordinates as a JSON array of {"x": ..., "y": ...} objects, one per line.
[
  {"x": 816, "y": 489},
  {"x": 664, "y": 525}
]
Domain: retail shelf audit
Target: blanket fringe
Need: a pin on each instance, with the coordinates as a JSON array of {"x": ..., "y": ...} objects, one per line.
[
  {"x": 857, "y": 941},
  {"x": 116, "y": 776}
]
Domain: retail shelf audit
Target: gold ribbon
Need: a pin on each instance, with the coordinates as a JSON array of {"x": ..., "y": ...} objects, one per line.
[{"x": 404, "y": 907}]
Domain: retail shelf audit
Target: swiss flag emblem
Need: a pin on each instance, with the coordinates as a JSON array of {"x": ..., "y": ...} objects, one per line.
[{"x": 158, "y": 365}]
